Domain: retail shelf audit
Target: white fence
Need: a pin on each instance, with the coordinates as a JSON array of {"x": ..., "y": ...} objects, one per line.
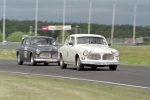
[{"x": 9, "y": 45}]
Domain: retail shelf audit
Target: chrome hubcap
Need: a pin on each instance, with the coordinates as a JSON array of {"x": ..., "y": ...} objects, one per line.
[
  {"x": 61, "y": 61},
  {"x": 78, "y": 63},
  {"x": 31, "y": 59}
]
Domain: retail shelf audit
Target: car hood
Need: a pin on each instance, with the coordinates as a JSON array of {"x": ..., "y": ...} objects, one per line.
[
  {"x": 47, "y": 48},
  {"x": 97, "y": 48}
]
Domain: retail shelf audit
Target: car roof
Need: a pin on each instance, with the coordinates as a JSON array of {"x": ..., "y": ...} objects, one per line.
[
  {"x": 39, "y": 37},
  {"x": 80, "y": 35}
]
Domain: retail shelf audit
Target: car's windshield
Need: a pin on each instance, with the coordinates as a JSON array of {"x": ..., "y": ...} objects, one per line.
[
  {"x": 42, "y": 41},
  {"x": 91, "y": 40}
]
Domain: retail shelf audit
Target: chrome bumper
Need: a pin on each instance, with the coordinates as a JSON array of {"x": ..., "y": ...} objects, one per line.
[
  {"x": 46, "y": 60},
  {"x": 99, "y": 63}
]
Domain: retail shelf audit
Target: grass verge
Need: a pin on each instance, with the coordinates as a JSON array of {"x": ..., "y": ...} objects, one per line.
[
  {"x": 30, "y": 87},
  {"x": 134, "y": 55},
  {"x": 7, "y": 54}
]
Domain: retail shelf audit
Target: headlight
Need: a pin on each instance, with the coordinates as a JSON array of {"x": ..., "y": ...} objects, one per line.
[
  {"x": 86, "y": 53},
  {"x": 116, "y": 54},
  {"x": 38, "y": 51}
]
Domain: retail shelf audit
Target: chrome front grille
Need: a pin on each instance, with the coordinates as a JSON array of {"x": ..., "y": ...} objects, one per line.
[
  {"x": 94, "y": 56},
  {"x": 108, "y": 57},
  {"x": 48, "y": 55},
  {"x": 45, "y": 55}
]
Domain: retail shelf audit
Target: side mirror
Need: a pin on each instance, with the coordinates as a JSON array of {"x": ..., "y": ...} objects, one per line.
[
  {"x": 109, "y": 44},
  {"x": 54, "y": 44}
]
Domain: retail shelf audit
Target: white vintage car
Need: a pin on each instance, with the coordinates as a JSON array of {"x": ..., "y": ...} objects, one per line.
[{"x": 88, "y": 50}]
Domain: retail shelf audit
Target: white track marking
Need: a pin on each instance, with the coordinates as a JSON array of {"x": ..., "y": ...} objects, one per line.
[{"x": 77, "y": 79}]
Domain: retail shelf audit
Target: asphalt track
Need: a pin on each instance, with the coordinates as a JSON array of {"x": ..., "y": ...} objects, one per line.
[{"x": 136, "y": 76}]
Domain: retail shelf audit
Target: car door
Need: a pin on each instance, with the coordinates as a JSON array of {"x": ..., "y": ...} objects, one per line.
[
  {"x": 70, "y": 50},
  {"x": 25, "y": 49},
  {"x": 65, "y": 50},
  {"x": 21, "y": 49}
]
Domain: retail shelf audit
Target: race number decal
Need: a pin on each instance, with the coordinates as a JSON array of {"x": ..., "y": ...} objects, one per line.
[
  {"x": 25, "y": 54},
  {"x": 67, "y": 53},
  {"x": 25, "y": 48}
]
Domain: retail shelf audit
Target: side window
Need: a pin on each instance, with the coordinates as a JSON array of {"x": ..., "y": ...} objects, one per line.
[
  {"x": 67, "y": 41},
  {"x": 72, "y": 40},
  {"x": 27, "y": 42},
  {"x": 23, "y": 42}
]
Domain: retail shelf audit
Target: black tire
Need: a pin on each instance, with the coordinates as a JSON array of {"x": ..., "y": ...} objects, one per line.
[
  {"x": 58, "y": 63},
  {"x": 79, "y": 65},
  {"x": 45, "y": 64},
  {"x": 32, "y": 61},
  {"x": 62, "y": 64},
  {"x": 20, "y": 62},
  {"x": 112, "y": 67}
]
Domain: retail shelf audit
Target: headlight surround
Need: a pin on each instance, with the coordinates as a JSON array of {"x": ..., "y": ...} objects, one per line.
[
  {"x": 38, "y": 51},
  {"x": 85, "y": 53},
  {"x": 116, "y": 54}
]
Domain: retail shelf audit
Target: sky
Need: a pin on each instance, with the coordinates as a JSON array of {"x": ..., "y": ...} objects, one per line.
[{"x": 78, "y": 11}]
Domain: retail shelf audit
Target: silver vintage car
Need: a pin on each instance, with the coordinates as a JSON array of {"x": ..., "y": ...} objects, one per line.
[
  {"x": 37, "y": 49},
  {"x": 89, "y": 50}
]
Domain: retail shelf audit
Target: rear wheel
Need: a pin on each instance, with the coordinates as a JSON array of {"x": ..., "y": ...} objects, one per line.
[
  {"x": 79, "y": 65},
  {"x": 62, "y": 64},
  {"x": 112, "y": 67},
  {"x": 20, "y": 62},
  {"x": 33, "y": 62}
]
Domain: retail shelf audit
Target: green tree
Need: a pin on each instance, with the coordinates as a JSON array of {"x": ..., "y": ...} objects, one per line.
[
  {"x": 66, "y": 33},
  {"x": 32, "y": 34},
  {"x": 120, "y": 31},
  {"x": 15, "y": 37}
]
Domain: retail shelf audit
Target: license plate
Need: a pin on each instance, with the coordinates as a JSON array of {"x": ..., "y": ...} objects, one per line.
[
  {"x": 51, "y": 60},
  {"x": 101, "y": 63}
]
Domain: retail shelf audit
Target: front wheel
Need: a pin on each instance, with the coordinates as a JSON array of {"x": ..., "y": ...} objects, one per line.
[
  {"x": 79, "y": 65},
  {"x": 62, "y": 64},
  {"x": 112, "y": 67},
  {"x": 58, "y": 63},
  {"x": 33, "y": 63},
  {"x": 20, "y": 62}
]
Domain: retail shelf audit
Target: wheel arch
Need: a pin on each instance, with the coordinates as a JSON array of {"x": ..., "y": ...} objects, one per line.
[
  {"x": 77, "y": 55},
  {"x": 31, "y": 53},
  {"x": 60, "y": 55},
  {"x": 17, "y": 53}
]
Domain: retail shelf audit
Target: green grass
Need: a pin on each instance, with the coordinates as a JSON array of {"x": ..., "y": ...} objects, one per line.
[
  {"x": 134, "y": 55},
  {"x": 7, "y": 54},
  {"x": 30, "y": 87},
  {"x": 129, "y": 55}
]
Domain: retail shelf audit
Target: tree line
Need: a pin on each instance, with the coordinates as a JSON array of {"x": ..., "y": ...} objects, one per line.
[{"x": 14, "y": 29}]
